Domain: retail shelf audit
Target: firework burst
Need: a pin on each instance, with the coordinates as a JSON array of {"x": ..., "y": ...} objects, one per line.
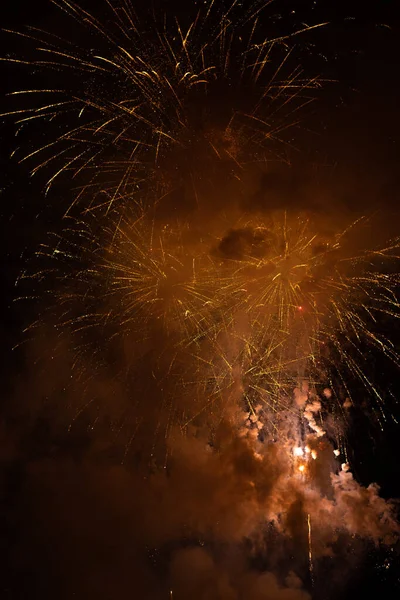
[
  {"x": 235, "y": 318},
  {"x": 211, "y": 344},
  {"x": 208, "y": 94},
  {"x": 158, "y": 118},
  {"x": 314, "y": 291}
]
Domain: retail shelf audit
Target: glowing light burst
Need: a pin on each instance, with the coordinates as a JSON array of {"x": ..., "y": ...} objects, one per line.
[
  {"x": 253, "y": 329},
  {"x": 287, "y": 306},
  {"x": 230, "y": 370},
  {"x": 132, "y": 275},
  {"x": 155, "y": 275},
  {"x": 207, "y": 91},
  {"x": 157, "y": 107},
  {"x": 320, "y": 296}
]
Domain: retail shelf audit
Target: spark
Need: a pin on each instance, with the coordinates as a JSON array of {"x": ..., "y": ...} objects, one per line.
[
  {"x": 121, "y": 131},
  {"x": 231, "y": 324},
  {"x": 262, "y": 322},
  {"x": 310, "y": 554},
  {"x": 247, "y": 308}
]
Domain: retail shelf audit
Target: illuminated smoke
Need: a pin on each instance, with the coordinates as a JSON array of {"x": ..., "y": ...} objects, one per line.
[{"x": 194, "y": 328}]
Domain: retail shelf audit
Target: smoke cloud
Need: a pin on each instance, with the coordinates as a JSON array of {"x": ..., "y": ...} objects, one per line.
[{"x": 159, "y": 441}]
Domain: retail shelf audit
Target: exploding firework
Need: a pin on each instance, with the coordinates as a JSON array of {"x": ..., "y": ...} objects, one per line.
[
  {"x": 238, "y": 317},
  {"x": 165, "y": 114},
  {"x": 159, "y": 109},
  {"x": 315, "y": 291},
  {"x": 219, "y": 345}
]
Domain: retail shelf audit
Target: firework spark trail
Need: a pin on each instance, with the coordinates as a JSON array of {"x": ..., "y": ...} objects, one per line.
[
  {"x": 316, "y": 292},
  {"x": 147, "y": 123},
  {"x": 306, "y": 305},
  {"x": 282, "y": 291},
  {"x": 244, "y": 314},
  {"x": 123, "y": 142},
  {"x": 249, "y": 327},
  {"x": 310, "y": 556}
]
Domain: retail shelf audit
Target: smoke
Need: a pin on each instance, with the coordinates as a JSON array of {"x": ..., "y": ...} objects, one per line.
[
  {"x": 209, "y": 514},
  {"x": 134, "y": 463},
  {"x": 194, "y": 571},
  {"x": 143, "y": 466},
  {"x": 241, "y": 243}
]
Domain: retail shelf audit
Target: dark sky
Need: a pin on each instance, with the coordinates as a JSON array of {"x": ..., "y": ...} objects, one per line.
[{"x": 70, "y": 516}]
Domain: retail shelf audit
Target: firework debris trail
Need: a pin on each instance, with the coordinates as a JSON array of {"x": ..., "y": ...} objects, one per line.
[
  {"x": 140, "y": 108},
  {"x": 235, "y": 318},
  {"x": 250, "y": 325}
]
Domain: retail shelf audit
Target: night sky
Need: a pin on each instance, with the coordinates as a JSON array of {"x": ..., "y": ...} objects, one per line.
[{"x": 80, "y": 515}]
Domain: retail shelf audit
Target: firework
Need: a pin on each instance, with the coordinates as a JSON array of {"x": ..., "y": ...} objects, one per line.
[
  {"x": 215, "y": 341},
  {"x": 155, "y": 122},
  {"x": 208, "y": 94},
  {"x": 317, "y": 294},
  {"x": 239, "y": 318}
]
